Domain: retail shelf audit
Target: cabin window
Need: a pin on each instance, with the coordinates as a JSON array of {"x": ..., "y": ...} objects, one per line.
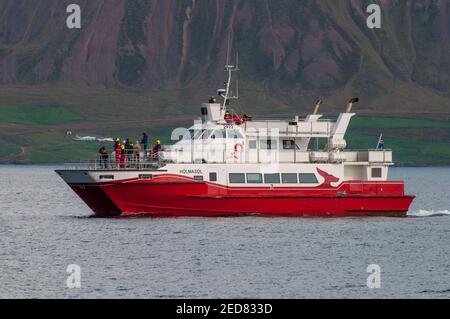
[
  {"x": 376, "y": 172},
  {"x": 254, "y": 178},
  {"x": 252, "y": 144},
  {"x": 145, "y": 176},
  {"x": 198, "y": 178},
  {"x": 289, "y": 145},
  {"x": 237, "y": 178},
  {"x": 272, "y": 178},
  {"x": 234, "y": 134},
  {"x": 289, "y": 178},
  {"x": 308, "y": 178},
  {"x": 189, "y": 135},
  {"x": 207, "y": 134},
  {"x": 217, "y": 134},
  {"x": 106, "y": 176},
  {"x": 213, "y": 177},
  {"x": 198, "y": 133},
  {"x": 204, "y": 111},
  {"x": 268, "y": 144}
]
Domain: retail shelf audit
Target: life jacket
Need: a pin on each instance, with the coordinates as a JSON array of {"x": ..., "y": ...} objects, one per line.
[
  {"x": 155, "y": 150},
  {"x": 237, "y": 119}
]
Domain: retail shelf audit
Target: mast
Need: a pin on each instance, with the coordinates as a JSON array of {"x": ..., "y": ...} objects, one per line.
[{"x": 229, "y": 68}]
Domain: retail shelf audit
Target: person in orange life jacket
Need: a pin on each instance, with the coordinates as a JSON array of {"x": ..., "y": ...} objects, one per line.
[
  {"x": 228, "y": 118},
  {"x": 156, "y": 149},
  {"x": 237, "y": 120},
  {"x": 122, "y": 156},
  {"x": 117, "y": 149}
]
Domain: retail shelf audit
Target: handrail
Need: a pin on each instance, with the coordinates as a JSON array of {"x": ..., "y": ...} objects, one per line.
[
  {"x": 110, "y": 164},
  {"x": 155, "y": 163}
]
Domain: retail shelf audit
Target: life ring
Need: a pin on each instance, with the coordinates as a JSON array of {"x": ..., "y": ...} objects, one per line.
[{"x": 238, "y": 147}]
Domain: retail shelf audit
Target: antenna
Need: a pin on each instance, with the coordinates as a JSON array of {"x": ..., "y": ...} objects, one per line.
[
  {"x": 229, "y": 68},
  {"x": 228, "y": 51}
]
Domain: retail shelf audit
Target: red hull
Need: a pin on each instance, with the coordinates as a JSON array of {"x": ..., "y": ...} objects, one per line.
[
  {"x": 96, "y": 199},
  {"x": 178, "y": 196}
]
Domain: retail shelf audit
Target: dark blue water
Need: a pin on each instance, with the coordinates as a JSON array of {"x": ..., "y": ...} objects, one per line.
[{"x": 44, "y": 227}]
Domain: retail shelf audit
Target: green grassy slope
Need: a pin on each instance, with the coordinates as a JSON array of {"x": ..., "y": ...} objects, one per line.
[
  {"x": 37, "y": 115},
  {"x": 415, "y": 141}
]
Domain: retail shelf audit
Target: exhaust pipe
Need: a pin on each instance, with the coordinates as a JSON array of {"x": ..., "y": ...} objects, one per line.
[
  {"x": 317, "y": 107},
  {"x": 350, "y": 104}
]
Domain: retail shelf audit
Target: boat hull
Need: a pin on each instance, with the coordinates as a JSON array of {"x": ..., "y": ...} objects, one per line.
[{"x": 181, "y": 197}]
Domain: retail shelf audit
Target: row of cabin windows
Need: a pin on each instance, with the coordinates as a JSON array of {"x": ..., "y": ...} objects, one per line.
[
  {"x": 272, "y": 144},
  {"x": 212, "y": 134},
  {"x": 285, "y": 178}
]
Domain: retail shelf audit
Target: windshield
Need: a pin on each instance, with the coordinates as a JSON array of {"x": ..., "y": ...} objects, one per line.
[
  {"x": 188, "y": 135},
  {"x": 234, "y": 134},
  {"x": 194, "y": 134}
]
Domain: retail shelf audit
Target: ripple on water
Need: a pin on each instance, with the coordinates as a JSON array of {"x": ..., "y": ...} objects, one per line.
[{"x": 44, "y": 227}]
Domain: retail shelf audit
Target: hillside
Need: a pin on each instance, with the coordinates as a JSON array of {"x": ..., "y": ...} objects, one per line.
[{"x": 146, "y": 64}]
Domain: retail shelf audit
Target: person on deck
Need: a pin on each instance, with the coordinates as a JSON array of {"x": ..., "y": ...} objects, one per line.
[
  {"x": 246, "y": 117},
  {"x": 381, "y": 144},
  {"x": 156, "y": 149},
  {"x": 118, "y": 150},
  {"x": 122, "y": 156},
  {"x": 103, "y": 156},
  {"x": 128, "y": 150},
  {"x": 136, "y": 151},
  {"x": 212, "y": 100},
  {"x": 144, "y": 142},
  {"x": 228, "y": 118},
  {"x": 237, "y": 120}
]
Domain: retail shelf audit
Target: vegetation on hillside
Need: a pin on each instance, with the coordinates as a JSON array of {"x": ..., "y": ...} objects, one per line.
[{"x": 414, "y": 141}]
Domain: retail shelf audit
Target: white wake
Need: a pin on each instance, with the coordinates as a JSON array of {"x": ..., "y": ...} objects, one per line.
[{"x": 428, "y": 213}]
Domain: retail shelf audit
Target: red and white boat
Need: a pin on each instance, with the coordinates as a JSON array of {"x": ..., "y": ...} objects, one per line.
[{"x": 259, "y": 167}]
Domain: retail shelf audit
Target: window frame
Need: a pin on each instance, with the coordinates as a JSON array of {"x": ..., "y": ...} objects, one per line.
[
  {"x": 307, "y": 182},
  {"x": 108, "y": 177},
  {"x": 269, "y": 144},
  {"x": 223, "y": 134},
  {"x": 235, "y": 174},
  {"x": 237, "y": 134},
  {"x": 291, "y": 174},
  {"x": 378, "y": 169},
  {"x": 211, "y": 179},
  {"x": 294, "y": 145},
  {"x": 272, "y": 174},
  {"x": 249, "y": 181}
]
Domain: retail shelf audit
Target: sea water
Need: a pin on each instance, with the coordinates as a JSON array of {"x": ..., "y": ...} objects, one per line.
[{"x": 49, "y": 246}]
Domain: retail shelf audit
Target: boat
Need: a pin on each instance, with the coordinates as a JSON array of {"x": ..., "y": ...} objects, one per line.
[{"x": 232, "y": 165}]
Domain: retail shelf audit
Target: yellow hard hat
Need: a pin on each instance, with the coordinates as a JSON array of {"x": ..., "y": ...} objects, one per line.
[{"x": 158, "y": 142}]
